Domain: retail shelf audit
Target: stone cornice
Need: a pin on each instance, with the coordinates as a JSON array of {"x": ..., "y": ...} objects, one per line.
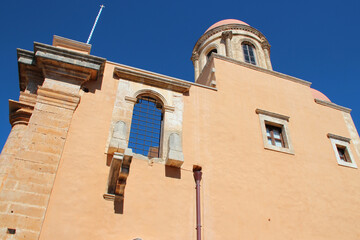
[
  {"x": 228, "y": 27},
  {"x": 67, "y": 56},
  {"x": 260, "y": 69},
  {"x": 177, "y": 79},
  {"x": 334, "y": 136},
  {"x": 271, "y": 114},
  {"x": 59, "y": 61},
  {"x": 150, "y": 78},
  {"x": 25, "y": 57},
  {"x": 332, "y": 105}
]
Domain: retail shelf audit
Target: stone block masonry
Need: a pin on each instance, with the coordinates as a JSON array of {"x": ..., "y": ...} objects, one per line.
[
  {"x": 28, "y": 173},
  {"x": 50, "y": 80}
]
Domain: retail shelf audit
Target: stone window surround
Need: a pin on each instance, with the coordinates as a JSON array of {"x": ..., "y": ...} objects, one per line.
[
  {"x": 170, "y": 141},
  {"x": 278, "y": 120},
  {"x": 153, "y": 84},
  {"x": 166, "y": 109},
  {"x": 339, "y": 141}
]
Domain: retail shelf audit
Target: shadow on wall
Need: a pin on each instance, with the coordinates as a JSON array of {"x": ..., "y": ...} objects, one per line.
[
  {"x": 172, "y": 172},
  {"x": 119, "y": 206}
]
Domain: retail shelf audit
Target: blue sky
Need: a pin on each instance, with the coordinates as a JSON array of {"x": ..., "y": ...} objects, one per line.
[{"x": 312, "y": 40}]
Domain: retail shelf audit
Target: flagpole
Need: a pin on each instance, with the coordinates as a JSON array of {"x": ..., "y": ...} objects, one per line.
[{"x": 96, "y": 20}]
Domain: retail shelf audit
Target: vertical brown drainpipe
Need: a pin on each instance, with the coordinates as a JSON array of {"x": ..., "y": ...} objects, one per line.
[{"x": 197, "y": 177}]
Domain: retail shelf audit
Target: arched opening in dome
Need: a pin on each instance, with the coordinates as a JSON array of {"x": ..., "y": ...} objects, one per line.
[{"x": 208, "y": 55}]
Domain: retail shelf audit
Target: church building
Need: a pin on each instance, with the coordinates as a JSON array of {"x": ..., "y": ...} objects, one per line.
[{"x": 101, "y": 150}]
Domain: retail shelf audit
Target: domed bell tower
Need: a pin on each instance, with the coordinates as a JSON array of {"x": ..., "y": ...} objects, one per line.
[{"x": 234, "y": 39}]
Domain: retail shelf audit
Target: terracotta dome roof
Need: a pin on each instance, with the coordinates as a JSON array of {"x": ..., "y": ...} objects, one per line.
[
  {"x": 226, "y": 21},
  {"x": 319, "y": 95}
]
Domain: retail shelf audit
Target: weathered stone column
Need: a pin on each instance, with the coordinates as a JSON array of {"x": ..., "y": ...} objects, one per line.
[
  {"x": 227, "y": 36},
  {"x": 29, "y": 175},
  {"x": 266, "y": 47},
  {"x": 195, "y": 60}
]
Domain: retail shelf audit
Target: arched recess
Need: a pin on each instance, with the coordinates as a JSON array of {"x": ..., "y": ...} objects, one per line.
[{"x": 204, "y": 53}]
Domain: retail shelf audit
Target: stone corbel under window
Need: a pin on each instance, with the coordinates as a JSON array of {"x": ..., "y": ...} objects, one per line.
[{"x": 119, "y": 171}]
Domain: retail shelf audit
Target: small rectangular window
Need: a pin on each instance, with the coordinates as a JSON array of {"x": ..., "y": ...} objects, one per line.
[
  {"x": 341, "y": 147},
  {"x": 275, "y": 131}
]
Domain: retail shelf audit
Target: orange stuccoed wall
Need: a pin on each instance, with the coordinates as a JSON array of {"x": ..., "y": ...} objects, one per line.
[{"x": 55, "y": 166}]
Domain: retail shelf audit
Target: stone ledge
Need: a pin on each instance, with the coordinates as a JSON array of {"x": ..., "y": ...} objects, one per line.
[
  {"x": 334, "y": 136},
  {"x": 150, "y": 78},
  {"x": 271, "y": 114},
  {"x": 332, "y": 105}
]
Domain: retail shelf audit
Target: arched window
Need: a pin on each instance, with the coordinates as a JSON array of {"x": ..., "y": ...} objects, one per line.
[
  {"x": 249, "y": 53},
  {"x": 211, "y": 52},
  {"x": 145, "y": 132}
]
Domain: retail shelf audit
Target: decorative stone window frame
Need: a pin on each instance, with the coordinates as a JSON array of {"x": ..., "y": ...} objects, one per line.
[
  {"x": 342, "y": 142},
  {"x": 165, "y": 132},
  {"x": 168, "y": 91},
  {"x": 277, "y": 120}
]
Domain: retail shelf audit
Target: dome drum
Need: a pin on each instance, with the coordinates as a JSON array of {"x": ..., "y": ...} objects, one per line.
[{"x": 234, "y": 39}]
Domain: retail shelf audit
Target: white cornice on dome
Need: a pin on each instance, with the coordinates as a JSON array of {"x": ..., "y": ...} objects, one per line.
[{"x": 227, "y": 27}]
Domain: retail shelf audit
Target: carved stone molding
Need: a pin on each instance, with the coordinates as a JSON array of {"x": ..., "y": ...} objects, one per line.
[
  {"x": 194, "y": 56},
  {"x": 57, "y": 98},
  {"x": 130, "y": 99},
  {"x": 227, "y": 35},
  {"x": 224, "y": 28},
  {"x": 265, "y": 45},
  {"x": 19, "y": 112},
  {"x": 59, "y": 63},
  {"x": 169, "y": 108}
]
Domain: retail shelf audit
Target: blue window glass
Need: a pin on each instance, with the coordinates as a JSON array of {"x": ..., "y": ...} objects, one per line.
[{"x": 145, "y": 132}]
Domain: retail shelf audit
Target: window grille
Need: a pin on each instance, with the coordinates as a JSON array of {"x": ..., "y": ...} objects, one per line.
[
  {"x": 249, "y": 53},
  {"x": 145, "y": 132}
]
